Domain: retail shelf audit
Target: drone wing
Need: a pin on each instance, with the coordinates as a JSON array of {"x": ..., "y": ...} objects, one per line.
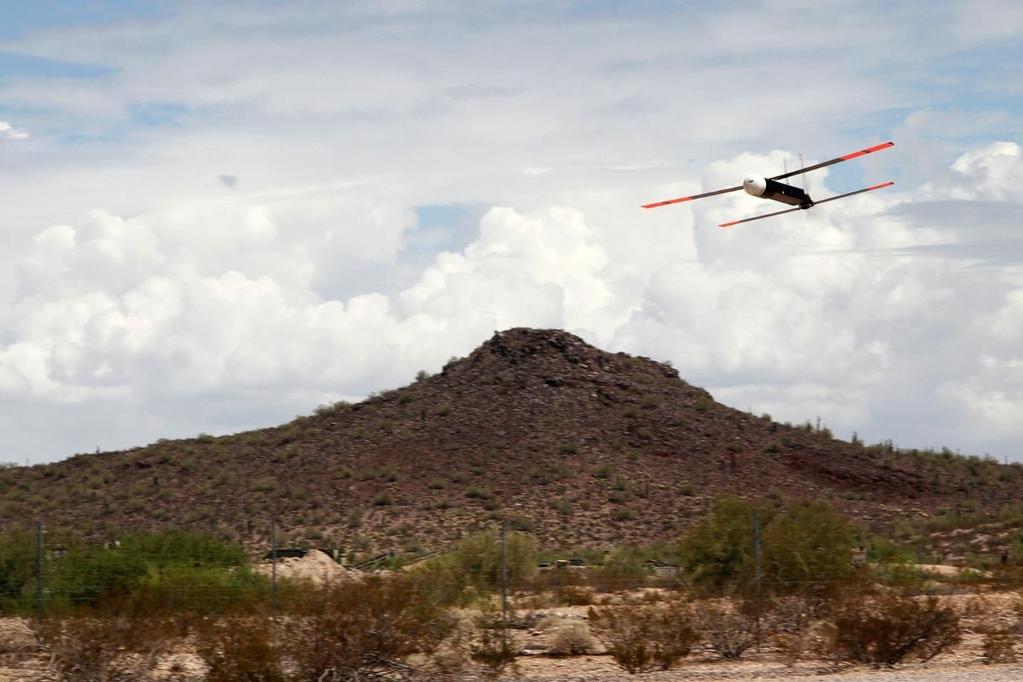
[
  {"x": 853, "y": 155},
  {"x": 695, "y": 196},
  {"x": 822, "y": 201}
]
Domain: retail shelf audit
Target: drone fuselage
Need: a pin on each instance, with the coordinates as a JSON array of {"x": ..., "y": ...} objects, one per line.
[{"x": 766, "y": 188}]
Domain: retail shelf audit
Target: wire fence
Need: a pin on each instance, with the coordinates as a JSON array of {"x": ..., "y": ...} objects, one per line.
[{"x": 51, "y": 582}]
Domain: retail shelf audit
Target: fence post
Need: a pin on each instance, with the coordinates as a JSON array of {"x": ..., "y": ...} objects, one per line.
[
  {"x": 504, "y": 586},
  {"x": 758, "y": 586},
  {"x": 39, "y": 573},
  {"x": 273, "y": 567}
]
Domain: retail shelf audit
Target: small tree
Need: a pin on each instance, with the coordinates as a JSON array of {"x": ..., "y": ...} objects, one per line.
[
  {"x": 480, "y": 557},
  {"x": 717, "y": 553},
  {"x": 622, "y": 569},
  {"x": 808, "y": 550}
]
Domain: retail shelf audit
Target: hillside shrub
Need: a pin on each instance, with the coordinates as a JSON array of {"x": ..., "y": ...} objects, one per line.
[
  {"x": 644, "y": 638},
  {"x": 885, "y": 629}
]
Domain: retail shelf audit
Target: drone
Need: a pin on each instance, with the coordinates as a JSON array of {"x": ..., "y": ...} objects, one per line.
[{"x": 770, "y": 188}]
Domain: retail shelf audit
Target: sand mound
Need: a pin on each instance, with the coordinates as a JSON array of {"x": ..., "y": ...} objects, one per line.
[
  {"x": 949, "y": 571},
  {"x": 16, "y": 635},
  {"x": 315, "y": 566}
]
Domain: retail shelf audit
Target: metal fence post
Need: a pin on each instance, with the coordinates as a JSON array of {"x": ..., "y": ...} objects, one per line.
[
  {"x": 504, "y": 586},
  {"x": 758, "y": 586},
  {"x": 273, "y": 567},
  {"x": 39, "y": 573}
]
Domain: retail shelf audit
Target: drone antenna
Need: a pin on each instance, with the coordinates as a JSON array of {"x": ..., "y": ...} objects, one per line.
[{"x": 801, "y": 171}]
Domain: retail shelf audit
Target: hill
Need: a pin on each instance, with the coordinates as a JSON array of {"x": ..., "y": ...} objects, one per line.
[{"x": 577, "y": 445}]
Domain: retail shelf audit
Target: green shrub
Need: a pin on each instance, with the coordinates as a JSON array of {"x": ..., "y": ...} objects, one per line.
[
  {"x": 806, "y": 548},
  {"x": 17, "y": 567},
  {"x": 154, "y": 567},
  {"x": 718, "y": 552},
  {"x": 479, "y": 556},
  {"x": 622, "y": 569}
]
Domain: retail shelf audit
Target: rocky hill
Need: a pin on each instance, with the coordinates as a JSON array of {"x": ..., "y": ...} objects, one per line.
[{"x": 579, "y": 446}]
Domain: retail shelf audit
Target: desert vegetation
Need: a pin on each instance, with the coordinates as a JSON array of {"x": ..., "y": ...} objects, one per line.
[{"x": 785, "y": 582}]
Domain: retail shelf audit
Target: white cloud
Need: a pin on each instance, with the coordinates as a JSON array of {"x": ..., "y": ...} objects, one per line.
[
  {"x": 139, "y": 273},
  {"x": 7, "y": 131},
  {"x": 194, "y": 302}
]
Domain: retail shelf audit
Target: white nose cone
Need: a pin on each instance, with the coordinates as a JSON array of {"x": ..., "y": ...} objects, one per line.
[{"x": 755, "y": 186}]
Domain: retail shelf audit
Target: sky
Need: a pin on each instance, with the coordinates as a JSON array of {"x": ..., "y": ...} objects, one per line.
[{"x": 218, "y": 215}]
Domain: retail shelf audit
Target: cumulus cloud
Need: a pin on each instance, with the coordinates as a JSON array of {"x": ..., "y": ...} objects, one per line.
[
  {"x": 9, "y": 132},
  {"x": 135, "y": 284},
  {"x": 197, "y": 302}
]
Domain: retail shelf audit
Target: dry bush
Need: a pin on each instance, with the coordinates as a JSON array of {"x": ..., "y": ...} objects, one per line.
[
  {"x": 652, "y": 596},
  {"x": 644, "y": 638},
  {"x": 493, "y": 651},
  {"x": 730, "y": 633},
  {"x": 105, "y": 648},
  {"x": 239, "y": 650},
  {"x": 884, "y": 629},
  {"x": 999, "y": 647},
  {"x": 791, "y": 647},
  {"x": 786, "y": 614},
  {"x": 350, "y": 631},
  {"x": 574, "y": 595},
  {"x": 571, "y": 638}
]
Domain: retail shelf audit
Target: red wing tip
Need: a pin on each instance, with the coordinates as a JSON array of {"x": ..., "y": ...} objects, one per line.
[
  {"x": 726, "y": 225},
  {"x": 665, "y": 203},
  {"x": 882, "y": 185},
  {"x": 868, "y": 150}
]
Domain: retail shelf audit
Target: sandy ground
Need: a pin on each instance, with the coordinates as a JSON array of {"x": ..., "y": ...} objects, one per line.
[
  {"x": 602, "y": 669},
  {"x": 963, "y": 664}
]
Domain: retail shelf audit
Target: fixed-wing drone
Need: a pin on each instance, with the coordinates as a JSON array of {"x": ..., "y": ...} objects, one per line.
[{"x": 770, "y": 188}]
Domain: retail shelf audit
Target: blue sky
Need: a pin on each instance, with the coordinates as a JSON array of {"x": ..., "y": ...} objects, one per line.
[{"x": 406, "y": 177}]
